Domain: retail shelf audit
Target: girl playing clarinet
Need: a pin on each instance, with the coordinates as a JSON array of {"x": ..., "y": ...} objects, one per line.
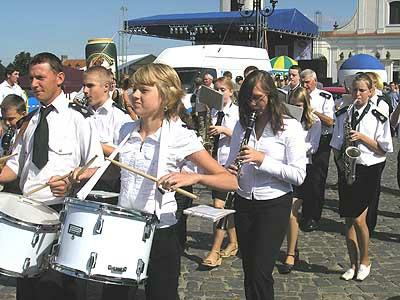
[
  {"x": 370, "y": 133},
  {"x": 159, "y": 146},
  {"x": 273, "y": 160}
]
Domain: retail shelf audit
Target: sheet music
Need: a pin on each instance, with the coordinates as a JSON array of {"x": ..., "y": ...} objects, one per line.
[{"x": 208, "y": 212}]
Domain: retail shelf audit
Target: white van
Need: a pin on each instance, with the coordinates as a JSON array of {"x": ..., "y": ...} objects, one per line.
[{"x": 192, "y": 61}]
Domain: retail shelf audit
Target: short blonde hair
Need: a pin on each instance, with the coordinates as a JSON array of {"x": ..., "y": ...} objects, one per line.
[
  {"x": 167, "y": 82},
  {"x": 376, "y": 80},
  {"x": 226, "y": 81}
]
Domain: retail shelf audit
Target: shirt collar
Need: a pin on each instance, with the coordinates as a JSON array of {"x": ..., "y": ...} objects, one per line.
[
  {"x": 60, "y": 103},
  {"x": 107, "y": 106},
  {"x": 155, "y": 136}
]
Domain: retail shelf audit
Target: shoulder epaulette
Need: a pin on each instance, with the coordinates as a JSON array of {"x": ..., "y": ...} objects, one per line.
[
  {"x": 26, "y": 118},
  {"x": 81, "y": 109},
  {"x": 381, "y": 117},
  {"x": 341, "y": 110},
  {"x": 325, "y": 95},
  {"x": 115, "y": 104}
]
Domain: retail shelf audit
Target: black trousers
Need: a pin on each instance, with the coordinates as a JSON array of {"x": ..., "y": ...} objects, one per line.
[
  {"x": 163, "y": 270},
  {"x": 372, "y": 214},
  {"x": 183, "y": 202},
  {"x": 315, "y": 196},
  {"x": 261, "y": 227},
  {"x": 398, "y": 169}
]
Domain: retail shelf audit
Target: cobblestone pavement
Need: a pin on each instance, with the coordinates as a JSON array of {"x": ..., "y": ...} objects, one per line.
[{"x": 323, "y": 256}]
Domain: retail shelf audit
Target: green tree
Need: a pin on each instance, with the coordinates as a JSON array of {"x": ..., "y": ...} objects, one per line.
[
  {"x": 2, "y": 71},
  {"x": 21, "y": 61}
]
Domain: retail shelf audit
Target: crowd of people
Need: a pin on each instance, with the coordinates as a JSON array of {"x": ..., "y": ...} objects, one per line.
[{"x": 274, "y": 165}]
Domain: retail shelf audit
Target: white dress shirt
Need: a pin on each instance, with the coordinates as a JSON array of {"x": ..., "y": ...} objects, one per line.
[
  {"x": 312, "y": 137},
  {"x": 323, "y": 106},
  {"x": 231, "y": 116},
  {"x": 371, "y": 127},
  {"x": 161, "y": 153},
  {"x": 72, "y": 143},
  {"x": 284, "y": 163},
  {"x": 383, "y": 107},
  {"x": 107, "y": 121}
]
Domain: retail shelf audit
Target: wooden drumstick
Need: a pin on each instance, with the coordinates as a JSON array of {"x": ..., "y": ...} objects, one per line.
[
  {"x": 80, "y": 172},
  {"x": 4, "y": 158},
  {"x": 152, "y": 178}
]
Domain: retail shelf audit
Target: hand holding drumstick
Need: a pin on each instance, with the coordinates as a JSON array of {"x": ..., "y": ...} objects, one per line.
[{"x": 60, "y": 185}]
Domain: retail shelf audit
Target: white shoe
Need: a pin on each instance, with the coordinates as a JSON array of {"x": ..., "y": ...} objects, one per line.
[
  {"x": 363, "y": 272},
  {"x": 348, "y": 275}
]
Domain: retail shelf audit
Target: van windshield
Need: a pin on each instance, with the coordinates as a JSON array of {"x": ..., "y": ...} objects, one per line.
[{"x": 187, "y": 76}]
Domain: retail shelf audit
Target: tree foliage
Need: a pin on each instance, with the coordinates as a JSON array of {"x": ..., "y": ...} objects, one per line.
[
  {"x": 21, "y": 61},
  {"x": 2, "y": 71}
]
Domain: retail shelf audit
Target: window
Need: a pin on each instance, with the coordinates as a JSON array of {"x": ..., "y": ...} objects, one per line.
[{"x": 394, "y": 16}]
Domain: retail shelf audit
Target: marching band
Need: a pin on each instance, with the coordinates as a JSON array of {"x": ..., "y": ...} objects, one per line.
[{"x": 269, "y": 162}]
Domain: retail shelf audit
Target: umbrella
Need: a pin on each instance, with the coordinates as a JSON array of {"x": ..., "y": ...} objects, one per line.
[{"x": 281, "y": 64}]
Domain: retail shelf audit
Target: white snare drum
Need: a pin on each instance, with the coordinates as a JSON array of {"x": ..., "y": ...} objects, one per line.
[
  {"x": 103, "y": 242},
  {"x": 27, "y": 231}
]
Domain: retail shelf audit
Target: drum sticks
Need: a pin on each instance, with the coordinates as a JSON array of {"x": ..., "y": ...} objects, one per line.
[
  {"x": 4, "y": 158},
  {"x": 152, "y": 178},
  {"x": 80, "y": 172}
]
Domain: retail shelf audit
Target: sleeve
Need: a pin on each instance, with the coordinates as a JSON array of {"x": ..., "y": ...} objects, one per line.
[
  {"x": 236, "y": 139},
  {"x": 124, "y": 119},
  {"x": 384, "y": 136},
  {"x": 185, "y": 143},
  {"x": 293, "y": 168},
  {"x": 89, "y": 143},
  {"x": 329, "y": 107},
  {"x": 313, "y": 137},
  {"x": 337, "y": 135}
]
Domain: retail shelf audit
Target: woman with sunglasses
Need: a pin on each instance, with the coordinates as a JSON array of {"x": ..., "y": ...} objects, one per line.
[{"x": 273, "y": 160}]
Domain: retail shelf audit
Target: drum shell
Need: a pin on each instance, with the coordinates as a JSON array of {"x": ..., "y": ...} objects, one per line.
[
  {"x": 17, "y": 245},
  {"x": 119, "y": 246}
]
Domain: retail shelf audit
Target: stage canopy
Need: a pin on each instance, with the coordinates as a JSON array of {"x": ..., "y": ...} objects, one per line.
[{"x": 219, "y": 26}]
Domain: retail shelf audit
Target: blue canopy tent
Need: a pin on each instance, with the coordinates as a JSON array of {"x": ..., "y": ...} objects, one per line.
[{"x": 218, "y": 26}]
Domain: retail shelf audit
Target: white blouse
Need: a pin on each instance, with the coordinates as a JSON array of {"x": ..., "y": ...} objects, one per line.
[
  {"x": 176, "y": 143},
  {"x": 371, "y": 127},
  {"x": 231, "y": 116},
  {"x": 284, "y": 163},
  {"x": 312, "y": 137}
]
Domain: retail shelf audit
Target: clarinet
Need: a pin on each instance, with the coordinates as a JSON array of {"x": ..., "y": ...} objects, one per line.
[{"x": 222, "y": 224}]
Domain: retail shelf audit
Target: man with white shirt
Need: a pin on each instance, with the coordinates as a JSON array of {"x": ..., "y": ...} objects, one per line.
[
  {"x": 106, "y": 118},
  {"x": 294, "y": 82},
  {"x": 323, "y": 107},
  {"x": 57, "y": 139},
  {"x": 10, "y": 84}
]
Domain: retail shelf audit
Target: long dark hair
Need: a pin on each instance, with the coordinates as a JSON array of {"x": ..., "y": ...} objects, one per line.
[{"x": 276, "y": 109}]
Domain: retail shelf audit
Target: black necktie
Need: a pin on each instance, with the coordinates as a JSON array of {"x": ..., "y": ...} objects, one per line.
[
  {"x": 41, "y": 139},
  {"x": 220, "y": 117},
  {"x": 354, "y": 120}
]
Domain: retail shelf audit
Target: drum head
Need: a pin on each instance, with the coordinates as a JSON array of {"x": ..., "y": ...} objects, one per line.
[{"x": 26, "y": 210}]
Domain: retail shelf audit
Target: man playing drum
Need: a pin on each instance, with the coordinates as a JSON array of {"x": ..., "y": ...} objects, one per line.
[{"x": 57, "y": 139}]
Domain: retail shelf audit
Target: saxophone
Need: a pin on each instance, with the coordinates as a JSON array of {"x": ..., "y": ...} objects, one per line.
[
  {"x": 222, "y": 224},
  {"x": 350, "y": 153}
]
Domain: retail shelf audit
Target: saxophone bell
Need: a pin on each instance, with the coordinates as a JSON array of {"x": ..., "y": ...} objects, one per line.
[{"x": 352, "y": 154}]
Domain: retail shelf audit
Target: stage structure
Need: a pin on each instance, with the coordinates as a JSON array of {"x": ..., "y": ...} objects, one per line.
[{"x": 289, "y": 31}]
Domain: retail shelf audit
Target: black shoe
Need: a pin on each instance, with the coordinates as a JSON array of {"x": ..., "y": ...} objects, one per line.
[
  {"x": 287, "y": 268},
  {"x": 310, "y": 225}
]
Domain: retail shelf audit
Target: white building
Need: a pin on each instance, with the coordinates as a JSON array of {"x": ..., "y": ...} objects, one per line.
[{"x": 374, "y": 29}]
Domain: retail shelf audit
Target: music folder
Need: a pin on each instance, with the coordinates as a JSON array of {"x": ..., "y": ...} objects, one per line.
[
  {"x": 211, "y": 98},
  {"x": 208, "y": 212}
]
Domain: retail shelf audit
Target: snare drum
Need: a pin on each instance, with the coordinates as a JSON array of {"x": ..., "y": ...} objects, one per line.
[
  {"x": 103, "y": 242},
  {"x": 27, "y": 231}
]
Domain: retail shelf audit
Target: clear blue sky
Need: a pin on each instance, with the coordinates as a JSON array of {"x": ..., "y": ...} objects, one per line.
[{"x": 36, "y": 26}]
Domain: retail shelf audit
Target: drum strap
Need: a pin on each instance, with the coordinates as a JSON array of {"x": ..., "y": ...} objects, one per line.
[{"x": 88, "y": 187}]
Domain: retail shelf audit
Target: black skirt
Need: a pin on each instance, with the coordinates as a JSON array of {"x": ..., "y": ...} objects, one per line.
[{"x": 354, "y": 199}]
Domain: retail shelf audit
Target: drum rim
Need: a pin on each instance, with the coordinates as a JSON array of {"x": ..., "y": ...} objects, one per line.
[
  {"x": 97, "y": 278},
  {"x": 40, "y": 228},
  {"x": 18, "y": 274},
  {"x": 23, "y": 222},
  {"x": 105, "y": 208}
]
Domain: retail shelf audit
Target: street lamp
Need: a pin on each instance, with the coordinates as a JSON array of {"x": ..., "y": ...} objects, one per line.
[{"x": 260, "y": 14}]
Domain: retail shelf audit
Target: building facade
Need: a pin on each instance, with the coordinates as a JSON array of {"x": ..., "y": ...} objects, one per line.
[{"x": 374, "y": 29}]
